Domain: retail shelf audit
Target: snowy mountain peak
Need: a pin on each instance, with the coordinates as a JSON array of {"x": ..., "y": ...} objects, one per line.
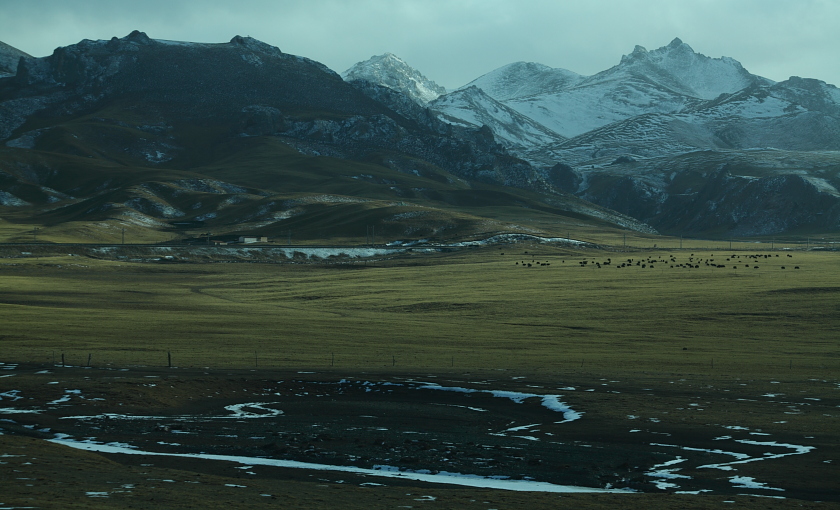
[
  {"x": 391, "y": 71},
  {"x": 523, "y": 79},
  {"x": 678, "y": 67}
]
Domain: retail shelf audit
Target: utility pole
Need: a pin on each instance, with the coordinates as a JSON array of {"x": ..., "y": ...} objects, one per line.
[
  {"x": 35, "y": 234},
  {"x": 681, "y": 242},
  {"x": 290, "y": 237},
  {"x": 208, "y": 234},
  {"x": 123, "y": 235},
  {"x": 625, "y": 241}
]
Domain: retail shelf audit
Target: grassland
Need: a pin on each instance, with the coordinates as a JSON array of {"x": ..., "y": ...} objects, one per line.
[
  {"x": 476, "y": 309},
  {"x": 649, "y": 342}
]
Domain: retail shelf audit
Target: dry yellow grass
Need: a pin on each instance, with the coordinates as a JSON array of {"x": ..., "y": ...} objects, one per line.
[{"x": 476, "y": 309}]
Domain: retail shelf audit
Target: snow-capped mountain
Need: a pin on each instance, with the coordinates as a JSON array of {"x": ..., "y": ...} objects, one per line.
[
  {"x": 392, "y": 72},
  {"x": 679, "y": 67},
  {"x": 666, "y": 80},
  {"x": 523, "y": 79},
  {"x": 9, "y": 58},
  {"x": 471, "y": 107},
  {"x": 762, "y": 160},
  {"x": 796, "y": 114}
]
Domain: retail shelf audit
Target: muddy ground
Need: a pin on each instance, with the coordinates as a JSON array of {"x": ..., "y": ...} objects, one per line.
[{"x": 759, "y": 443}]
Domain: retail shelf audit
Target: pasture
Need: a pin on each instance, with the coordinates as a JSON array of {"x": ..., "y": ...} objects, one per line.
[
  {"x": 476, "y": 309},
  {"x": 664, "y": 354}
]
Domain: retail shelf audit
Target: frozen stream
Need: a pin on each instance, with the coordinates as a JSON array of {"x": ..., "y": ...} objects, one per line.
[
  {"x": 422, "y": 431},
  {"x": 380, "y": 471}
]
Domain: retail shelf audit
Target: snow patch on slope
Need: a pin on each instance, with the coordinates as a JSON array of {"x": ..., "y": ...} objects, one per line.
[{"x": 522, "y": 79}]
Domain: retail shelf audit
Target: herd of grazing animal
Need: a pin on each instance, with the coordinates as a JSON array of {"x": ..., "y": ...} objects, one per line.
[{"x": 671, "y": 262}]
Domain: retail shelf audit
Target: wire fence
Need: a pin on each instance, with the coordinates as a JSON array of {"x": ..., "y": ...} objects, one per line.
[{"x": 460, "y": 361}]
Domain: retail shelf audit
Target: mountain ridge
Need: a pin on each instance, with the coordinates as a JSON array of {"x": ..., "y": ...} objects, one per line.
[
  {"x": 240, "y": 137},
  {"x": 626, "y": 125}
]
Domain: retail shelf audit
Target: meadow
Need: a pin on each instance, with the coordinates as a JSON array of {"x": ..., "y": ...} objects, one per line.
[
  {"x": 669, "y": 357},
  {"x": 478, "y": 309}
]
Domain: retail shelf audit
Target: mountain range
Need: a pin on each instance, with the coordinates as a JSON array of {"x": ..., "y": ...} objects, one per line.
[
  {"x": 154, "y": 137},
  {"x": 632, "y": 127},
  {"x": 236, "y": 138}
]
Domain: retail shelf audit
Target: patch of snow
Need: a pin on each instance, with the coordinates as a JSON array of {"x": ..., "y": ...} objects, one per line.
[
  {"x": 515, "y": 238},
  {"x": 252, "y": 59},
  {"x": 240, "y": 410},
  {"x": 383, "y": 471},
  {"x": 662, "y": 474},
  {"x": 550, "y": 402},
  {"x": 746, "y": 482},
  {"x": 10, "y": 200},
  {"x": 13, "y": 395}
]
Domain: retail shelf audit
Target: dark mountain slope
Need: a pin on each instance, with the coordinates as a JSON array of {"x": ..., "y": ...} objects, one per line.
[
  {"x": 187, "y": 96},
  {"x": 241, "y": 138},
  {"x": 9, "y": 58}
]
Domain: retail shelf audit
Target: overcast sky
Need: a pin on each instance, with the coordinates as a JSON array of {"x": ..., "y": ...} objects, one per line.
[{"x": 455, "y": 41}]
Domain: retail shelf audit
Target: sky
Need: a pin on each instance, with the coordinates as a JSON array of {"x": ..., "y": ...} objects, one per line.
[{"x": 455, "y": 41}]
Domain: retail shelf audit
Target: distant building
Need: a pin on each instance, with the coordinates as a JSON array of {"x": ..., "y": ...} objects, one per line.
[{"x": 252, "y": 239}]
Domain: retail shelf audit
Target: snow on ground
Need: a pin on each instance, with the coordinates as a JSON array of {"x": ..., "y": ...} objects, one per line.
[
  {"x": 514, "y": 238},
  {"x": 727, "y": 466},
  {"x": 442, "y": 477},
  {"x": 551, "y": 402},
  {"x": 747, "y": 482},
  {"x": 822, "y": 185},
  {"x": 325, "y": 253},
  {"x": 246, "y": 410},
  {"x": 661, "y": 474},
  {"x": 10, "y": 200}
]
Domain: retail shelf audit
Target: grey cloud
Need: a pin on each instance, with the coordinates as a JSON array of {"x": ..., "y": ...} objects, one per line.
[{"x": 453, "y": 42}]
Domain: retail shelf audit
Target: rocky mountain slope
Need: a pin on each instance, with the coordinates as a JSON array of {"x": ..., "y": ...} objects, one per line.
[
  {"x": 471, "y": 107},
  {"x": 631, "y": 127},
  {"x": 240, "y": 137},
  {"x": 759, "y": 192},
  {"x": 9, "y": 58},
  {"x": 797, "y": 114}
]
